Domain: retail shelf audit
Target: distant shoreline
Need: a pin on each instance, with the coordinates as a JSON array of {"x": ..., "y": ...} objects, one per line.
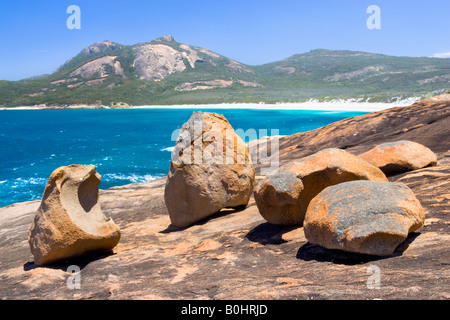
[
  {"x": 307, "y": 106},
  {"x": 312, "y": 105}
]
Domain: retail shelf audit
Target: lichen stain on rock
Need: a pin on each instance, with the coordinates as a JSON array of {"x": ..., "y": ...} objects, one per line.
[{"x": 374, "y": 222}]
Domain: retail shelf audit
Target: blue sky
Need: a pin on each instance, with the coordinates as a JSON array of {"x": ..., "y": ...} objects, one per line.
[{"x": 35, "y": 39}]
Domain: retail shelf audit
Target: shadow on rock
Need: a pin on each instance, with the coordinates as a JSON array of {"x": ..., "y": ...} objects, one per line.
[
  {"x": 80, "y": 262},
  {"x": 405, "y": 244},
  {"x": 222, "y": 213},
  {"x": 268, "y": 233},
  {"x": 310, "y": 251}
]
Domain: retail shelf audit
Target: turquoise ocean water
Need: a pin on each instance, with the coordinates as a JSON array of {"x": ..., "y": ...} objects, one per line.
[{"x": 126, "y": 145}]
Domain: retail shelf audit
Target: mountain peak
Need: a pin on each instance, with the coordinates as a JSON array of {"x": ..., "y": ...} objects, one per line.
[
  {"x": 99, "y": 46},
  {"x": 167, "y": 38}
]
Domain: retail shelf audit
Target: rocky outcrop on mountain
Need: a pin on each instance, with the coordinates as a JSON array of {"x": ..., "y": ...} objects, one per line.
[
  {"x": 211, "y": 169},
  {"x": 69, "y": 221},
  {"x": 285, "y": 70},
  {"x": 190, "y": 54},
  {"x": 236, "y": 254},
  {"x": 238, "y": 67},
  {"x": 99, "y": 47},
  {"x": 400, "y": 156},
  {"x": 98, "y": 67},
  {"x": 218, "y": 83},
  {"x": 157, "y": 61},
  {"x": 353, "y": 74},
  {"x": 310, "y": 176},
  {"x": 204, "y": 85},
  {"x": 162, "y": 57},
  {"x": 363, "y": 216},
  {"x": 167, "y": 38}
]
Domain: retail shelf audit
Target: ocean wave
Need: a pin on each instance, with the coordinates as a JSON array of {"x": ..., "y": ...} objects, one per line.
[
  {"x": 170, "y": 149},
  {"x": 133, "y": 178},
  {"x": 22, "y": 182}
]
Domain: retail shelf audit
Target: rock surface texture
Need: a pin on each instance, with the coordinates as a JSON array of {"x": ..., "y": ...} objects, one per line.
[
  {"x": 237, "y": 254},
  {"x": 400, "y": 156},
  {"x": 211, "y": 169},
  {"x": 69, "y": 221},
  {"x": 284, "y": 201},
  {"x": 363, "y": 216}
]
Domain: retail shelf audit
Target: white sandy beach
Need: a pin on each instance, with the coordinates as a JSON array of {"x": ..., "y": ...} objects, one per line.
[
  {"x": 314, "y": 105},
  {"x": 311, "y": 105}
]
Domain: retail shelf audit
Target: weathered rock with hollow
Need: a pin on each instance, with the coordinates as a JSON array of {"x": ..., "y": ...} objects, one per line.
[
  {"x": 400, "y": 156},
  {"x": 211, "y": 169},
  {"x": 316, "y": 172},
  {"x": 366, "y": 217},
  {"x": 69, "y": 221}
]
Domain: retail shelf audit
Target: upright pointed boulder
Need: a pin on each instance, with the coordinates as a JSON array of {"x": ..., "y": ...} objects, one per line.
[{"x": 211, "y": 169}]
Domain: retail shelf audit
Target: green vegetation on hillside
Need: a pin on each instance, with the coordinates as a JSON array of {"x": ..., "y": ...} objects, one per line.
[{"x": 318, "y": 74}]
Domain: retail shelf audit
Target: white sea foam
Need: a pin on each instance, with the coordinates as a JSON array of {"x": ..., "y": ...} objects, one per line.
[
  {"x": 24, "y": 182},
  {"x": 133, "y": 178},
  {"x": 170, "y": 149},
  {"x": 31, "y": 180}
]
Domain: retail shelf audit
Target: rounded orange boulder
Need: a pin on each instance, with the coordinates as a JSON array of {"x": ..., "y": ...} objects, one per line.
[
  {"x": 400, "y": 156},
  {"x": 366, "y": 217},
  {"x": 286, "y": 203}
]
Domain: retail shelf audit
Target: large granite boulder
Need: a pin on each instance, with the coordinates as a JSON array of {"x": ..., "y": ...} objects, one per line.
[
  {"x": 366, "y": 217},
  {"x": 278, "y": 197},
  {"x": 211, "y": 169},
  {"x": 400, "y": 156},
  {"x": 286, "y": 202},
  {"x": 69, "y": 221}
]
